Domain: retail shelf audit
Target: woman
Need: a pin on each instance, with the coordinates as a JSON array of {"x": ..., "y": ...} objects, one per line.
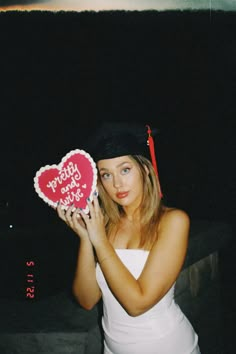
[{"x": 132, "y": 249}]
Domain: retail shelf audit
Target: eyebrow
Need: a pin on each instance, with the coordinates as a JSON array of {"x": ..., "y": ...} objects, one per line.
[{"x": 107, "y": 169}]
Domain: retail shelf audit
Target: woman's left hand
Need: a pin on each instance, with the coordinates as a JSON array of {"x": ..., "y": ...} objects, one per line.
[{"x": 94, "y": 222}]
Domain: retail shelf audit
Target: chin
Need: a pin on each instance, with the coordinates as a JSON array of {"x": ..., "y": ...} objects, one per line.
[{"x": 123, "y": 202}]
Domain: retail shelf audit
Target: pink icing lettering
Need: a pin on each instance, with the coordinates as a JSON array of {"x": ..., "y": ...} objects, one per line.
[
  {"x": 70, "y": 186},
  {"x": 71, "y": 197},
  {"x": 65, "y": 173},
  {"x": 52, "y": 184}
]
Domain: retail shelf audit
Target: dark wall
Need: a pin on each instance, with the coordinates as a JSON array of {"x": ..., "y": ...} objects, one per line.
[{"x": 63, "y": 73}]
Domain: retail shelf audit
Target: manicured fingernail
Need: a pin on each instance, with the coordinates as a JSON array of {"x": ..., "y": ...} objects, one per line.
[
  {"x": 88, "y": 199},
  {"x": 95, "y": 193}
]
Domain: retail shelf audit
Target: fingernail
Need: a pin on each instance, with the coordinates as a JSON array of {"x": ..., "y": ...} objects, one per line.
[
  {"x": 95, "y": 193},
  {"x": 88, "y": 199}
]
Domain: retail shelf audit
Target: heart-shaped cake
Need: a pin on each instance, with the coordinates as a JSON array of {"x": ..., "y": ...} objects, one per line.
[{"x": 72, "y": 181}]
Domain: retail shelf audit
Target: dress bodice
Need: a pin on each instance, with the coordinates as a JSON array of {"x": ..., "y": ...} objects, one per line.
[
  {"x": 134, "y": 260},
  {"x": 165, "y": 320}
]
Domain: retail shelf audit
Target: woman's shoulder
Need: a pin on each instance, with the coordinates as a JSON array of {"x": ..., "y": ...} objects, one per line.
[{"x": 174, "y": 217}]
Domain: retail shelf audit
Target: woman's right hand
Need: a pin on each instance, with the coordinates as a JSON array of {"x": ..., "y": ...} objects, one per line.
[{"x": 74, "y": 220}]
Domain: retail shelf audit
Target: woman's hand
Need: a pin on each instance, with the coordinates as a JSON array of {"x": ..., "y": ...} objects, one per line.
[
  {"x": 74, "y": 220},
  {"x": 94, "y": 222}
]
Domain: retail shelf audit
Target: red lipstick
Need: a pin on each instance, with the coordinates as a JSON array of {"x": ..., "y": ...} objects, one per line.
[{"x": 121, "y": 195}]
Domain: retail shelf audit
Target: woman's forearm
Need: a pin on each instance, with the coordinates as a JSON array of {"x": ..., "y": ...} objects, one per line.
[
  {"x": 85, "y": 287},
  {"x": 121, "y": 282}
]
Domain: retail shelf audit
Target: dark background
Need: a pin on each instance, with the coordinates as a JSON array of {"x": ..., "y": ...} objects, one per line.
[{"x": 63, "y": 73}]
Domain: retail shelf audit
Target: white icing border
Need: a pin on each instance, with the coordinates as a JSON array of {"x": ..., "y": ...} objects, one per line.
[{"x": 58, "y": 167}]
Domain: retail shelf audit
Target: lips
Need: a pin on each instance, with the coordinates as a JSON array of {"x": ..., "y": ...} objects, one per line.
[{"x": 122, "y": 195}]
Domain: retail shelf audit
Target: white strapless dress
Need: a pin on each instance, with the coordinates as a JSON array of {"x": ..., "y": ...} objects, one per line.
[{"x": 163, "y": 329}]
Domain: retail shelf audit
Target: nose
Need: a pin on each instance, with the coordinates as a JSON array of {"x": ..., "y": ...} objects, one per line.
[{"x": 117, "y": 181}]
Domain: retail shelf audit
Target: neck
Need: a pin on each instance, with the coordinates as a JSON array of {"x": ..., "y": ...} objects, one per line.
[{"x": 132, "y": 215}]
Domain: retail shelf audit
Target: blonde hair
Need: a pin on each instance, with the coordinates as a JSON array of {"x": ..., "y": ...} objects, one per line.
[{"x": 151, "y": 204}]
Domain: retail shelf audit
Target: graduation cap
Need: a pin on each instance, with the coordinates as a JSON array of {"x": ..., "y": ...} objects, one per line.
[{"x": 115, "y": 139}]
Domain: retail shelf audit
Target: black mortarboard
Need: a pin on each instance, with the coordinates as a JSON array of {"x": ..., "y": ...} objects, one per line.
[{"x": 114, "y": 139}]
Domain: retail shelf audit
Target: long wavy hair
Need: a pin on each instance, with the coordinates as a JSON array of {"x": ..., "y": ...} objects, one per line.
[{"x": 151, "y": 206}]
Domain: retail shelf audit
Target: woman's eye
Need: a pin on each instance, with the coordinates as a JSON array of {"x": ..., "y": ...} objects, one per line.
[
  {"x": 125, "y": 170},
  {"x": 105, "y": 175}
]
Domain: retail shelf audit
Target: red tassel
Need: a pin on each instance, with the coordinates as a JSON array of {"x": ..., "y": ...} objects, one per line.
[{"x": 150, "y": 143}]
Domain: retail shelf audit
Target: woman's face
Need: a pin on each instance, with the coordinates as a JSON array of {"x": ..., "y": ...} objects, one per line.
[{"x": 122, "y": 180}]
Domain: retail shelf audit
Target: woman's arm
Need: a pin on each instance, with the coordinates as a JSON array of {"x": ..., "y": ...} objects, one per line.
[
  {"x": 160, "y": 271},
  {"x": 85, "y": 287}
]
